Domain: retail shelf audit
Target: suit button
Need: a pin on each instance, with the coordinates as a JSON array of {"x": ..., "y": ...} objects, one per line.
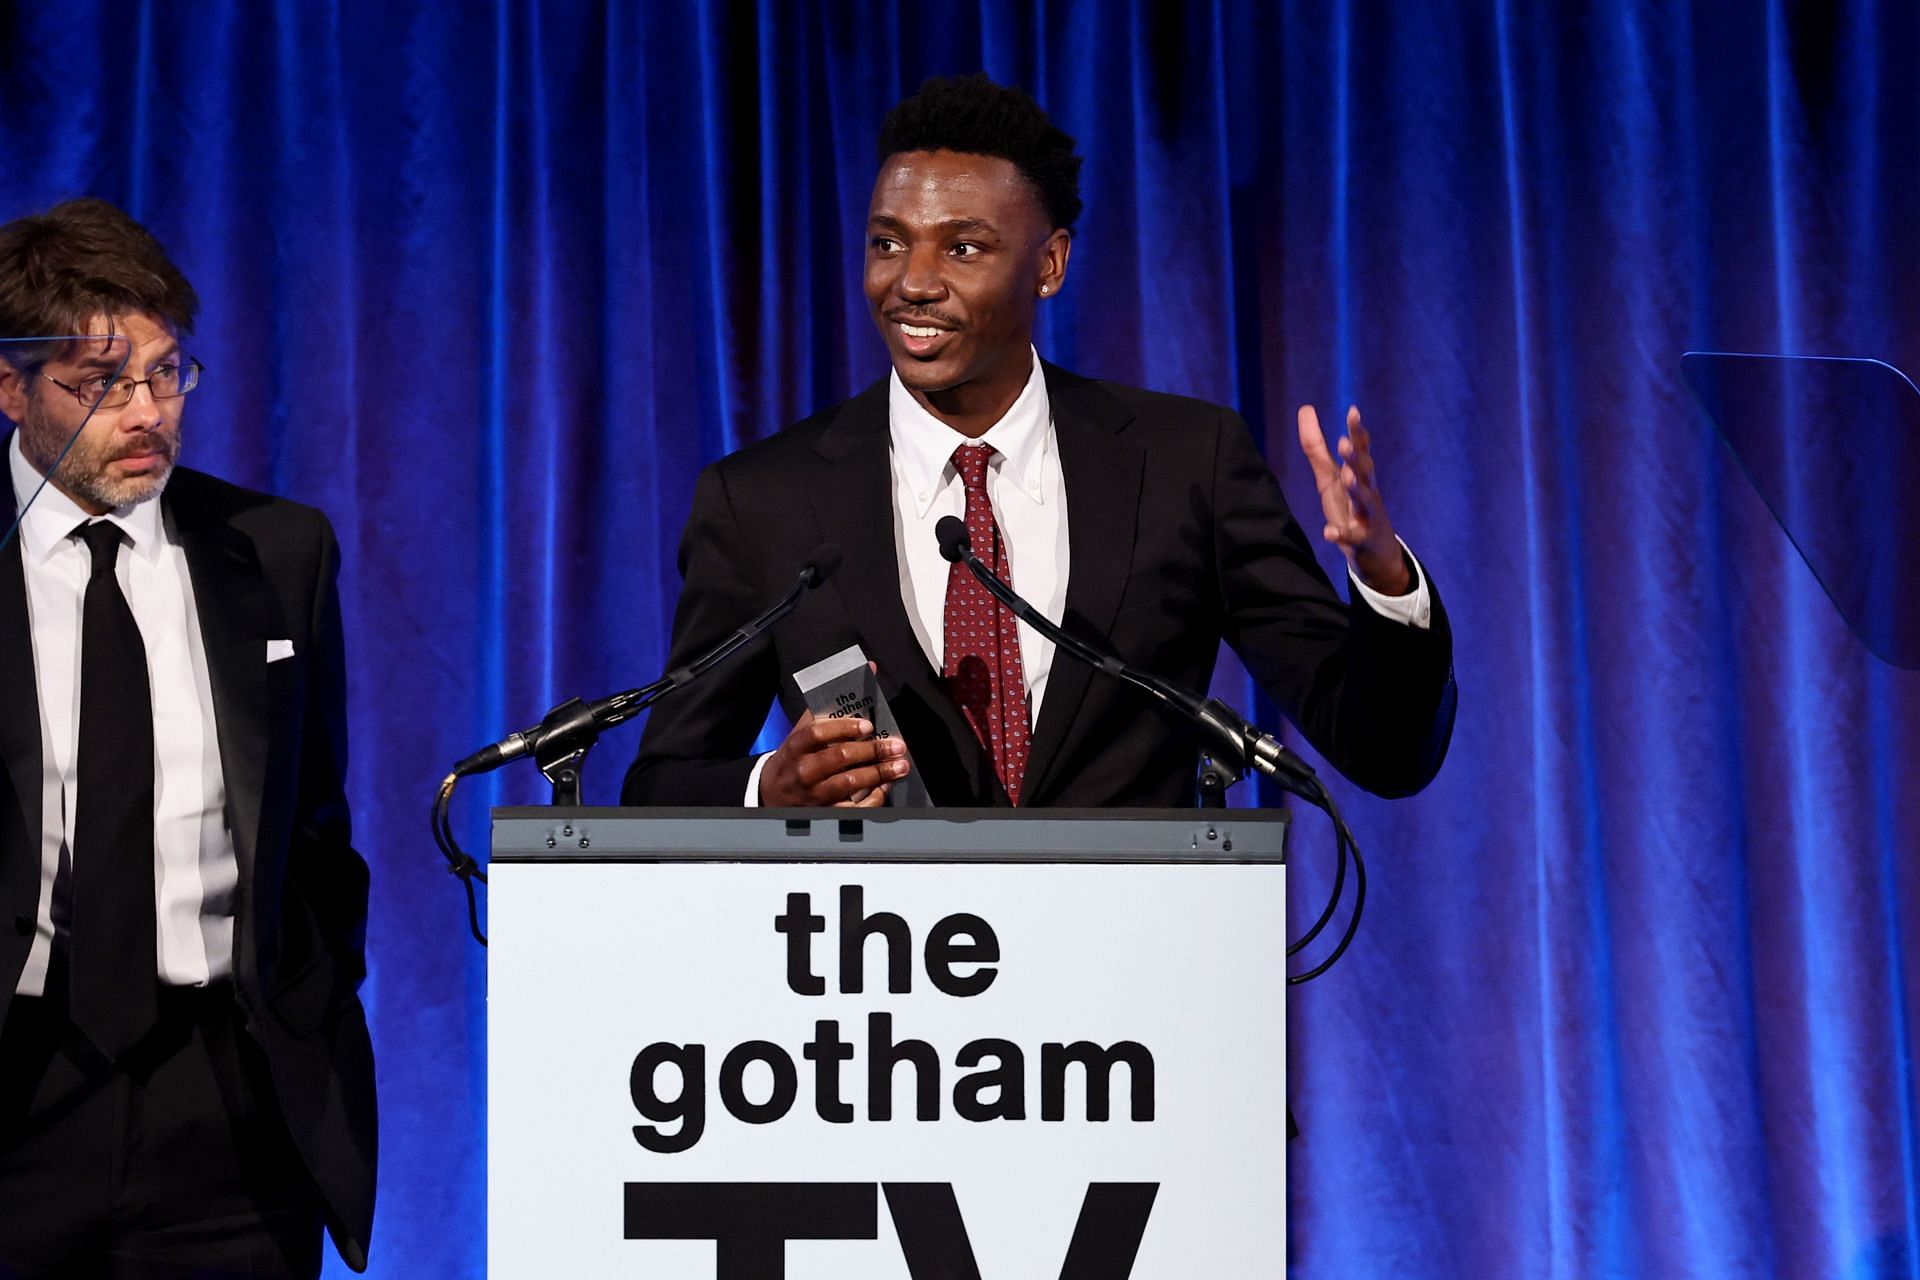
[{"x": 22, "y": 926}]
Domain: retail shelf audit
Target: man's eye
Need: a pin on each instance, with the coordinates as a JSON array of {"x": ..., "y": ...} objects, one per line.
[
  {"x": 966, "y": 250},
  {"x": 883, "y": 244},
  {"x": 96, "y": 387}
]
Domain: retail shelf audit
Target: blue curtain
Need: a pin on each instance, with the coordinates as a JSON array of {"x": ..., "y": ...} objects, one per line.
[{"x": 490, "y": 282}]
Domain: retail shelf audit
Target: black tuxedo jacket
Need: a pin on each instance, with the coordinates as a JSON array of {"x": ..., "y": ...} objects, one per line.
[
  {"x": 1178, "y": 537},
  {"x": 262, "y": 569}
]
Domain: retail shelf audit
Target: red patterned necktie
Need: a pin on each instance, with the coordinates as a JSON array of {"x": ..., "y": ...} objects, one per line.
[{"x": 983, "y": 670}]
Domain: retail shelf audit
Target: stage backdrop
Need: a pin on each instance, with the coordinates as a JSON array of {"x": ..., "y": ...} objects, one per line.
[{"x": 490, "y": 282}]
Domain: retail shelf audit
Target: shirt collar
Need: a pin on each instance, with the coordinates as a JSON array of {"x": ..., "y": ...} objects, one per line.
[
  {"x": 923, "y": 445},
  {"x": 52, "y": 518}
]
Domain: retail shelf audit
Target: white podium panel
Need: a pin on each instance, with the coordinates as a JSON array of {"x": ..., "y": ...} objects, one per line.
[{"x": 887, "y": 1070}]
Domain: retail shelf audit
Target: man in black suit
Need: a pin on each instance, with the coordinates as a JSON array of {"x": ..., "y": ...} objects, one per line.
[
  {"x": 1148, "y": 521},
  {"x": 186, "y": 1082}
]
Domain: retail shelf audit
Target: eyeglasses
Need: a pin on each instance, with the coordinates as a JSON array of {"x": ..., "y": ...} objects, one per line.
[{"x": 164, "y": 383}]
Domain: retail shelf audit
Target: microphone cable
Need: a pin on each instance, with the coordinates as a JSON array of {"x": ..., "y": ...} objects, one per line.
[
  {"x": 1345, "y": 846},
  {"x": 459, "y": 865}
]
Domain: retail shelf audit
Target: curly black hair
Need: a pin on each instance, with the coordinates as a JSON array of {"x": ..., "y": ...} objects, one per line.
[{"x": 973, "y": 115}]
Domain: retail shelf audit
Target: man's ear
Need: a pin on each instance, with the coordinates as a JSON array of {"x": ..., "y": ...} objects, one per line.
[
  {"x": 13, "y": 392},
  {"x": 1053, "y": 261}
]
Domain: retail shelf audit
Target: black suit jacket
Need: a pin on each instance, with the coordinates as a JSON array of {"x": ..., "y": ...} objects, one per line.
[
  {"x": 1179, "y": 538},
  {"x": 262, "y": 569}
]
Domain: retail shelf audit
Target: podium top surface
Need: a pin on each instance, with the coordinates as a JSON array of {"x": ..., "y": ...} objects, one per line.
[{"x": 539, "y": 834}]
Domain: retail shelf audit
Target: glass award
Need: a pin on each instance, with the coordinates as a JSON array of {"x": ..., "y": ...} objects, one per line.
[{"x": 844, "y": 687}]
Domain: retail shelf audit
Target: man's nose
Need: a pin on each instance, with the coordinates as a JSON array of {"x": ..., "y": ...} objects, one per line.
[
  {"x": 921, "y": 280},
  {"x": 143, "y": 411}
]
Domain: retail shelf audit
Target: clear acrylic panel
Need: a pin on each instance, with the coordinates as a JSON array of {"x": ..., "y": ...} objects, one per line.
[
  {"x": 78, "y": 369},
  {"x": 1833, "y": 446}
]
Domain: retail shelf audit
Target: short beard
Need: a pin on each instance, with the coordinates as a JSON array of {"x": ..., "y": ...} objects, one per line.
[{"x": 83, "y": 472}]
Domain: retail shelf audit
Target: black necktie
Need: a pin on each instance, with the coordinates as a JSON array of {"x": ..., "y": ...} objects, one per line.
[{"x": 113, "y": 983}]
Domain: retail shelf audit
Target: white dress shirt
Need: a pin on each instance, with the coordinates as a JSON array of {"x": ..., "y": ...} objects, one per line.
[
  {"x": 195, "y": 871},
  {"x": 1029, "y": 498}
]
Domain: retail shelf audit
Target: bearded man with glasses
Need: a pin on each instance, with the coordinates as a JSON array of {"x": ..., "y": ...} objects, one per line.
[{"x": 186, "y": 1083}]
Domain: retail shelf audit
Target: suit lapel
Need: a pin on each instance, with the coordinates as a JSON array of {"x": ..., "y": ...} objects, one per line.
[
  {"x": 238, "y": 613},
  {"x": 19, "y": 737},
  {"x": 1101, "y": 467},
  {"x": 854, "y": 507}
]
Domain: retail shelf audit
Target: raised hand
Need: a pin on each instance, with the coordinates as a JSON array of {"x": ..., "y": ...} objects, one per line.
[{"x": 1356, "y": 516}]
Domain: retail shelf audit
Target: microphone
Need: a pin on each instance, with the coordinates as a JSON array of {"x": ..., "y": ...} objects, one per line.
[
  {"x": 575, "y": 721},
  {"x": 1239, "y": 738},
  {"x": 560, "y": 742},
  {"x": 951, "y": 531},
  {"x": 1236, "y": 739},
  {"x": 823, "y": 562},
  {"x": 568, "y": 719}
]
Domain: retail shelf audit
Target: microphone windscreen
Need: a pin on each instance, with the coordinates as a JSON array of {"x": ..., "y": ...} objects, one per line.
[
  {"x": 954, "y": 543},
  {"x": 824, "y": 559}
]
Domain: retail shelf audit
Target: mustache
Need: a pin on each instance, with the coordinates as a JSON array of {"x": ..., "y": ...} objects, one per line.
[
  {"x": 904, "y": 315},
  {"x": 165, "y": 442}
]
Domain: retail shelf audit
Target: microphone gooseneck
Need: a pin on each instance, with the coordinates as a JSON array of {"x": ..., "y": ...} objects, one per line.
[
  {"x": 1238, "y": 741},
  {"x": 1238, "y": 738},
  {"x": 576, "y": 720},
  {"x": 559, "y": 743}
]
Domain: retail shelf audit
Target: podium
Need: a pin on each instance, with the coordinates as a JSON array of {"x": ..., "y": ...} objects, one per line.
[{"x": 887, "y": 1045}]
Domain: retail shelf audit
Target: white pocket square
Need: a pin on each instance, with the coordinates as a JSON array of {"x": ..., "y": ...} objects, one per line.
[{"x": 278, "y": 649}]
